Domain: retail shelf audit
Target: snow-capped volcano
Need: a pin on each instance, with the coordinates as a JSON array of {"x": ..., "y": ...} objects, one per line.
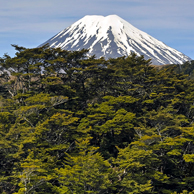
[{"x": 111, "y": 37}]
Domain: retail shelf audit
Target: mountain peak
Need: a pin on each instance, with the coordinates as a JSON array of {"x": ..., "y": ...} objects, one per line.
[
  {"x": 111, "y": 36},
  {"x": 113, "y": 16}
]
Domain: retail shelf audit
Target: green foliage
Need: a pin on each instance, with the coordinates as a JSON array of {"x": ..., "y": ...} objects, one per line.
[
  {"x": 186, "y": 68},
  {"x": 85, "y": 172},
  {"x": 75, "y": 124}
]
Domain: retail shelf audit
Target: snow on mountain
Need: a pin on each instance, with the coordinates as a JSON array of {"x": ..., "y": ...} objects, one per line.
[{"x": 111, "y": 37}]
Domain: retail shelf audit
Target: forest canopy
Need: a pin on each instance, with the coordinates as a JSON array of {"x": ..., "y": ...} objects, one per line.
[{"x": 70, "y": 123}]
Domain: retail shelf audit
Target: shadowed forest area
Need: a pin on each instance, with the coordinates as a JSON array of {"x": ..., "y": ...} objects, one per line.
[{"x": 73, "y": 124}]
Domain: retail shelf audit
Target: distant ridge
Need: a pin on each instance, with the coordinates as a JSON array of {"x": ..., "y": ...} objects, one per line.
[{"x": 112, "y": 37}]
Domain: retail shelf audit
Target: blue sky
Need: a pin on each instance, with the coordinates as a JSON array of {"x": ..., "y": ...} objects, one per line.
[{"x": 29, "y": 23}]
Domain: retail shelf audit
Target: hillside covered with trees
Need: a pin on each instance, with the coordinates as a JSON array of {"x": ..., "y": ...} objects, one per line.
[
  {"x": 72, "y": 124},
  {"x": 186, "y": 68}
]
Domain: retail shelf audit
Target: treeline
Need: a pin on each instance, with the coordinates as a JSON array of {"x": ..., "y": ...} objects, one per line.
[
  {"x": 186, "y": 68},
  {"x": 76, "y": 124}
]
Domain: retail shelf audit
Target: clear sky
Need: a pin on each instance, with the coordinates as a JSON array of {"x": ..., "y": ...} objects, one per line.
[{"x": 29, "y": 23}]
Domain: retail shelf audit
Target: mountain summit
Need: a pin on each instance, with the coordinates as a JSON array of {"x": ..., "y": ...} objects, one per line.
[{"x": 112, "y": 37}]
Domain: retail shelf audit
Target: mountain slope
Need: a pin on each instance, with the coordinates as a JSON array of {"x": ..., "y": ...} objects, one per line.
[{"x": 111, "y": 37}]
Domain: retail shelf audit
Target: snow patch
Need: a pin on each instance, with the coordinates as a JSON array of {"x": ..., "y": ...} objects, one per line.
[{"x": 119, "y": 35}]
